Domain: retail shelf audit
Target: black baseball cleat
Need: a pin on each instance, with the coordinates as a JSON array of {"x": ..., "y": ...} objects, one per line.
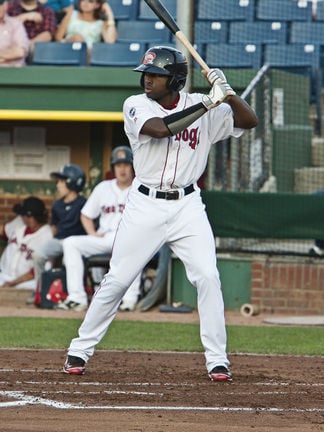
[
  {"x": 220, "y": 373},
  {"x": 74, "y": 365},
  {"x": 315, "y": 251}
]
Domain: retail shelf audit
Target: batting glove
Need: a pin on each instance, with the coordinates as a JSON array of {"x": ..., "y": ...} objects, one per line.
[{"x": 220, "y": 89}]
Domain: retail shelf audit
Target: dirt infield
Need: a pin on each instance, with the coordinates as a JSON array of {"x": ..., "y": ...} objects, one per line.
[
  {"x": 124, "y": 391},
  {"x": 131, "y": 391}
]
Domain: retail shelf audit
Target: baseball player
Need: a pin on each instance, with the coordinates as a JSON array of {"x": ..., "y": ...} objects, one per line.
[
  {"x": 65, "y": 220},
  {"x": 106, "y": 202},
  {"x": 170, "y": 133},
  {"x": 24, "y": 233}
]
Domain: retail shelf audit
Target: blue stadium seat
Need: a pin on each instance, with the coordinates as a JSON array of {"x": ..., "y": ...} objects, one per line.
[
  {"x": 233, "y": 56},
  {"x": 283, "y": 10},
  {"x": 292, "y": 56},
  {"x": 146, "y": 13},
  {"x": 124, "y": 9},
  {"x": 319, "y": 15},
  {"x": 143, "y": 31},
  {"x": 258, "y": 32},
  {"x": 304, "y": 32},
  {"x": 118, "y": 54},
  {"x": 210, "y": 32},
  {"x": 309, "y": 33},
  {"x": 225, "y": 10},
  {"x": 297, "y": 58},
  {"x": 61, "y": 54}
]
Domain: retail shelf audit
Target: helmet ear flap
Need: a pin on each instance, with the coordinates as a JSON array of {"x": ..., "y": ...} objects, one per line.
[
  {"x": 142, "y": 80},
  {"x": 174, "y": 84}
]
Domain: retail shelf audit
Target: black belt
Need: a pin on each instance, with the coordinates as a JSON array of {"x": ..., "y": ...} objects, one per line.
[{"x": 168, "y": 195}]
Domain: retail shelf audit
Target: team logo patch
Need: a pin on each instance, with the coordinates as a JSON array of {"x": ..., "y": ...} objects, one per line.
[
  {"x": 132, "y": 112},
  {"x": 149, "y": 58}
]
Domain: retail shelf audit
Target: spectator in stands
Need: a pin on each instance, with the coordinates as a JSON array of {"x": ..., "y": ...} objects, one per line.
[
  {"x": 24, "y": 233},
  {"x": 93, "y": 21},
  {"x": 65, "y": 219},
  {"x": 39, "y": 21},
  {"x": 60, "y": 7},
  {"x": 106, "y": 203},
  {"x": 14, "y": 43}
]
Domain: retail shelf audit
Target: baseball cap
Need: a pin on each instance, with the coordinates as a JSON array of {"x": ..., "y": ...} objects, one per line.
[
  {"x": 122, "y": 154},
  {"x": 31, "y": 206}
]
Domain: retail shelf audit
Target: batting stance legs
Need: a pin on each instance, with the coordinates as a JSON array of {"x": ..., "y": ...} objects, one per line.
[{"x": 184, "y": 226}]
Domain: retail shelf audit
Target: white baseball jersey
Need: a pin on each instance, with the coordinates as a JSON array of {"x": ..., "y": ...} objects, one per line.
[
  {"x": 107, "y": 201},
  {"x": 16, "y": 259},
  {"x": 179, "y": 160}
]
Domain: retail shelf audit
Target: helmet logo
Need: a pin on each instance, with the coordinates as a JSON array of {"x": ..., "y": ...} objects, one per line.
[
  {"x": 149, "y": 58},
  {"x": 121, "y": 154}
]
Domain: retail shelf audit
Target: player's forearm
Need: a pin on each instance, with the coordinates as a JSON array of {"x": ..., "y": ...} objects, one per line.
[
  {"x": 21, "y": 279},
  {"x": 172, "y": 124},
  {"x": 244, "y": 116},
  {"x": 88, "y": 225},
  {"x": 179, "y": 121}
]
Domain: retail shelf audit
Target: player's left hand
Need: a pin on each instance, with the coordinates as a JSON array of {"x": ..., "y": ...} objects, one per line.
[{"x": 217, "y": 76}]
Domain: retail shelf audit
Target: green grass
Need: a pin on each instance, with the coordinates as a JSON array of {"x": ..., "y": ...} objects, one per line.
[{"x": 151, "y": 336}]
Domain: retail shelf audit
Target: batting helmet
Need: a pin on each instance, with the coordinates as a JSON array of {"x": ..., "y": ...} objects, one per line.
[
  {"x": 121, "y": 154},
  {"x": 164, "y": 60},
  {"x": 73, "y": 175}
]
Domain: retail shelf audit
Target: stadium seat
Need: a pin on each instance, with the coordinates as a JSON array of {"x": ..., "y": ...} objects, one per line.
[
  {"x": 258, "y": 32},
  {"x": 302, "y": 32},
  {"x": 61, "y": 54},
  {"x": 300, "y": 59},
  {"x": 284, "y": 10},
  {"x": 146, "y": 13},
  {"x": 143, "y": 32},
  {"x": 210, "y": 32},
  {"x": 118, "y": 54},
  {"x": 124, "y": 9},
  {"x": 225, "y": 10},
  {"x": 319, "y": 14},
  {"x": 233, "y": 56},
  {"x": 291, "y": 56}
]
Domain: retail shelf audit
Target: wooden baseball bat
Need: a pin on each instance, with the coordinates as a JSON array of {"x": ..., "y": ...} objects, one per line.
[{"x": 164, "y": 15}]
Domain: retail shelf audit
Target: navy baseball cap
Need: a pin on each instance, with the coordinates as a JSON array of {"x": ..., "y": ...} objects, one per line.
[{"x": 31, "y": 206}]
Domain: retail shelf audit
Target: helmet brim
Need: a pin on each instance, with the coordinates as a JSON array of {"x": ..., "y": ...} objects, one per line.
[
  {"x": 152, "y": 70},
  {"x": 58, "y": 176}
]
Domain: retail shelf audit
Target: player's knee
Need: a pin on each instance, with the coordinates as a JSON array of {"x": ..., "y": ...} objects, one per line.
[
  {"x": 38, "y": 257},
  {"x": 115, "y": 283},
  {"x": 69, "y": 242},
  {"x": 208, "y": 276}
]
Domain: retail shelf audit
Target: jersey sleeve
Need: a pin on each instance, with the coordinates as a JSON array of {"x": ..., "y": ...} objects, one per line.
[
  {"x": 223, "y": 115},
  {"x": 136, "y": 112},
  {"x": 10, "y": 227}
]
